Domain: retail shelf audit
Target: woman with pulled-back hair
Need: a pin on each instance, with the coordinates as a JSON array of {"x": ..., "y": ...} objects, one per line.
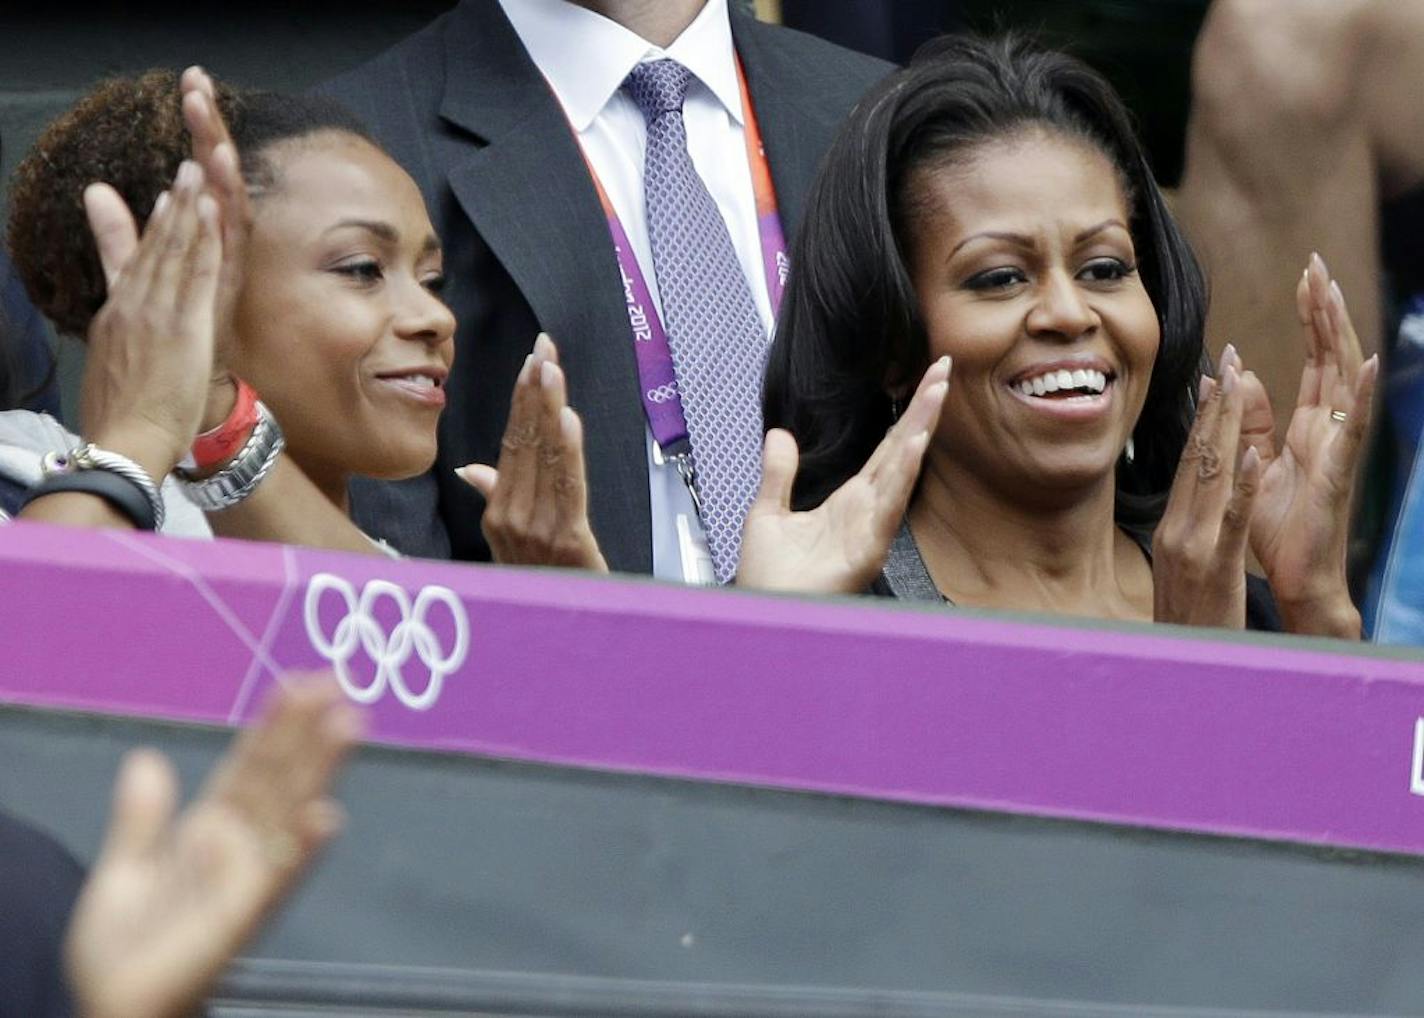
[
  {"x": 323, "y": 309},
  {"x": 320, "y": 356},
  {"x": 991, "y": 205}
]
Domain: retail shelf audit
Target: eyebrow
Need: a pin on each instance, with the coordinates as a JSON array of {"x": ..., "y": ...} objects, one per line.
[
  {"x": 1023, "y": 240},
  {"x": 386, "y": 232}
]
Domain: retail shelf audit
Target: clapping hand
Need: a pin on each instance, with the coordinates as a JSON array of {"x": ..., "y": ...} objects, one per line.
[
  {"x": 1199, "y": 550},
  {"x": 153, "y": 339},
  {"x": 840, "y": 546},
  {"x": 172, "y": 900},
  {"x": 536, "y": 499},
  {"x": 214, "y": 151},
  {"x": 1300, "y": 528}
]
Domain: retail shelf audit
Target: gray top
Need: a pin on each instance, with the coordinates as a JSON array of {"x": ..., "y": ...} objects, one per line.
[{"x": 907, "y": 578}]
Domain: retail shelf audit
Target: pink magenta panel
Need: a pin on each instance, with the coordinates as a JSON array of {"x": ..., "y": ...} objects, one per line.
[{"x": 1272, "y": 738}]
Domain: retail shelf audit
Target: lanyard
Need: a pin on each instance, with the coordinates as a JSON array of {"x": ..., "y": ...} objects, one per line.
[{"x": 656, "y": 377}]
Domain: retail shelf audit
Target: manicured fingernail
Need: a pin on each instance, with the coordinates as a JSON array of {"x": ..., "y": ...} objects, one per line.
[
  {"x": 1251, "y": 460},
  {"x": 160, "y": 203},
  {"x": 1336, "y": 292},
  {"x": 546, "y": 374},
  {"x": 1229, "y": 356},
  {"x": 1228, "y": 381}
]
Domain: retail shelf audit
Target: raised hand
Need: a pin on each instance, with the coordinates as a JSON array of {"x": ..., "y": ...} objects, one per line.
[
  {"x": 1300, "y": 528},
  {"x": 151, "y": 344},
  {"x": 214, "y": 151},
  {"x": 536, "y": 500},
  {"x": 840, "y": 546},
  {"x": 1199, "y": 551},
  {"x": 172, "y": 900}
]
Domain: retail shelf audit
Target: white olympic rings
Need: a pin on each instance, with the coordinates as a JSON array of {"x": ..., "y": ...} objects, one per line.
[
  {"x": 389, "y": 652},
  {"x": 663, "y": 393}
]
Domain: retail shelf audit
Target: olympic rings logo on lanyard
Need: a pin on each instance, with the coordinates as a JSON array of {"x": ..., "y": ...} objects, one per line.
[
  {"x": 663, "y": 393},
  {"x": 389, "y": 652}
]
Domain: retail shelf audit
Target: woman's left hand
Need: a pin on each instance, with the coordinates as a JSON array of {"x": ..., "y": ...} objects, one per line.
[
  {"x": 1301, "y": 521},
  {"x": 536, "y": 498}
]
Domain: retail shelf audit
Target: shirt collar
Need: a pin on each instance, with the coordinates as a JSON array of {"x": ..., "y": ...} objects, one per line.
[{"x": 585, "y": 56}]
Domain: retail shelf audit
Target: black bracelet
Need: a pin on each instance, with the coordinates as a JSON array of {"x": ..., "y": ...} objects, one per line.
[{"x": 120, "y": 492}]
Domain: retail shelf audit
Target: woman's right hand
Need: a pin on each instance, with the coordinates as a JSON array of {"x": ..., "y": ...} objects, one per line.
[
  {"x": 841, "y": 545},
  {"x": 150, "y": 354},
  {"x": 1199, "y": 551}
]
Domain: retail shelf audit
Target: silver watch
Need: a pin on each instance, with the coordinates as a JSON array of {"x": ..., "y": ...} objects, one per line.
[{"x": 240, "y": 478}]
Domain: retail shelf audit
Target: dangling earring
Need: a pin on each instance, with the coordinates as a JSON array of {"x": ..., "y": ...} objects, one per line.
[
  {"x": 897, "y": 407},
  {"x": 1129, "y": 451}
]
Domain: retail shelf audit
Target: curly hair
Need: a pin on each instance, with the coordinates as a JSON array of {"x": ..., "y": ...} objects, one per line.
[{"x": 129, "y": 132}]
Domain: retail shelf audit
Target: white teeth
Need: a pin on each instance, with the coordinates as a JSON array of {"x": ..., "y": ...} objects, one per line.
[
  {"x": 1091, "y": 381},
  {"x": 420, "y": 381}
]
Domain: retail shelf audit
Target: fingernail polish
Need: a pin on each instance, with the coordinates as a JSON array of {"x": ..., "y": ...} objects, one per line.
[
  {"x": 1228, "y": 381},
  {"x": 546, "y": 374}
]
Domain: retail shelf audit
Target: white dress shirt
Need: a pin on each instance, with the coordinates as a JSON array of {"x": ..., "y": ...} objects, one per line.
[{"x": 585, "y": 57}]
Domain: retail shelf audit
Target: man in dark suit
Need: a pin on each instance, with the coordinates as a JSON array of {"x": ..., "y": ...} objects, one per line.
[{"x": 479, "y": 124}]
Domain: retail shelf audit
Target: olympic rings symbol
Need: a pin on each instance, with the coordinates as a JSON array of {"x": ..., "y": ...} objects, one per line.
[
  {"x": 663, "y": 393},
  {"x": 390, "y": 652}
]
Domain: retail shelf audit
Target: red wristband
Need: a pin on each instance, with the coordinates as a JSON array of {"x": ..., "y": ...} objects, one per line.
[{"x": 215, "y": 447}]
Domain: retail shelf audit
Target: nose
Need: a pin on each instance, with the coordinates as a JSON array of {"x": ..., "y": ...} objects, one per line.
[
  {"x": 1060, "y": 310},
  {"x": 424, "y": 318}
]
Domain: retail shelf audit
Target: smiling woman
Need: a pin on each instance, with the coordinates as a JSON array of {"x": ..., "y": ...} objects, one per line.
[
  {"x": 990, "y": 205},
  {"x": 328, "y": 307}
]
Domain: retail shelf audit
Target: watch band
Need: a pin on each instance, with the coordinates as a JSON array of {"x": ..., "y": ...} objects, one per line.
[
  {"x": 116, "y": 489},
  {"x": 240, "y": 478},
  {"x": 214, "y": 448}
]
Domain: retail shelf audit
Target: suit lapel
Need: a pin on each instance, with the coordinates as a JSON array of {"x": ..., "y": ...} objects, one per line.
[{"x": 530, "y": 198}]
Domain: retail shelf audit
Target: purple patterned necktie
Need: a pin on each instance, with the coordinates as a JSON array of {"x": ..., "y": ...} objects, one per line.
[{"x": 718, "y": 343}]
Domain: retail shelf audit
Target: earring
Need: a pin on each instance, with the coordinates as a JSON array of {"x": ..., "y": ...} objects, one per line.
[
  {"x": 1129, "y": 451},
  {"x": 897, "y": 407}
]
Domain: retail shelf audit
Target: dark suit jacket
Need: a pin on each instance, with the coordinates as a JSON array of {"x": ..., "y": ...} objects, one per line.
[
  {"x": 462, "y": 106},
  {"x": 39, "y": 882}
]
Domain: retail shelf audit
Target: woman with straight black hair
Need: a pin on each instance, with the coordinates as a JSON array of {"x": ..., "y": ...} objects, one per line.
[{"x": 991, "y": 204}]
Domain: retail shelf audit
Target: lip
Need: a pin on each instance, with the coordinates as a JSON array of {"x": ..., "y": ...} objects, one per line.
[{"x": 398, "y": 381}]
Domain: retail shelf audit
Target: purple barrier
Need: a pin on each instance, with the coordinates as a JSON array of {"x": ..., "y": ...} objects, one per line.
[{"x": 1302, "y": 741}]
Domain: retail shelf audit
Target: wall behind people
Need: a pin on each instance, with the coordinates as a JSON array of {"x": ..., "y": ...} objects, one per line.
[{"x": 51, "y": 53}]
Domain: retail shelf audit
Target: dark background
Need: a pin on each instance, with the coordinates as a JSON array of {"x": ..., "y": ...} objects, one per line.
[{"x": 50, "y": 53}]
